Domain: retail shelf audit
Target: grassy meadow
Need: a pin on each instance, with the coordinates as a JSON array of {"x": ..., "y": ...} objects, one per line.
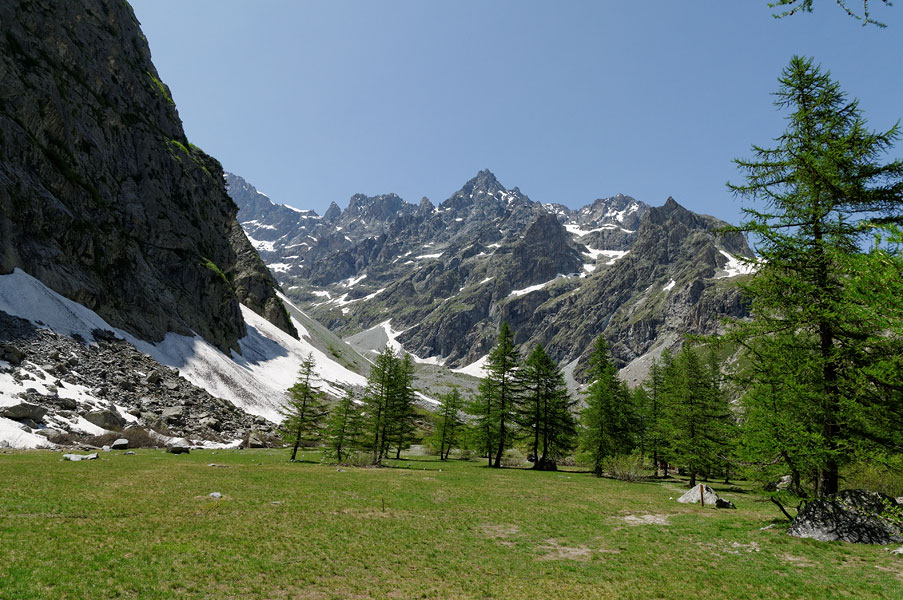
[{"x": 144, "y": 526}]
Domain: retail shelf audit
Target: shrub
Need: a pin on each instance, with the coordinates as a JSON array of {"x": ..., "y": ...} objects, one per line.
[
  {"x": 626, "y": 467},
  {"x": 513, "y": 458}
]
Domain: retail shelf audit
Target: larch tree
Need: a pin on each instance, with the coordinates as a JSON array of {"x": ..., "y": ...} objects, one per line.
[
  {"x": 401, "y": 420},
  {"x": 544, "y": 410},
  {"x": 304, "y": 412},
  {"x": 816, "y": 330},
  {"x": 607, "y": 420},
  {"x": 344, "y": 427},
  {"x": 789, "y": 8},
  {"x": 494, "y": 407},
  {"x": 378, "y": 398},
  {"x": 447, "y": 422}
]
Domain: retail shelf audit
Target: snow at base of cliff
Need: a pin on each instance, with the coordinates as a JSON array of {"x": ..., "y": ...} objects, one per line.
[{"x": 255, "y": 381}]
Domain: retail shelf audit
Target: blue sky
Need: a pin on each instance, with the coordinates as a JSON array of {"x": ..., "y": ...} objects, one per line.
[{"x": 313, "y": 101}]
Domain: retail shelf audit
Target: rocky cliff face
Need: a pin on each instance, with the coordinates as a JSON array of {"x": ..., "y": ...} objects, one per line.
[
  {"x": 102, "y": 197},
  {"x": 442, "y": 278}
]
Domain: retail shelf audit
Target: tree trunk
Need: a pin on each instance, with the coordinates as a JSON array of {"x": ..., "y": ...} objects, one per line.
[{"x": 693, "y": 478}]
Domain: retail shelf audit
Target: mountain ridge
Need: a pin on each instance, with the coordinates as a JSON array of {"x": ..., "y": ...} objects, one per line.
[{"x": 446, "y": 277}]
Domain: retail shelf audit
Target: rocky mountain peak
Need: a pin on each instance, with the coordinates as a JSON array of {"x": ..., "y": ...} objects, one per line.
[{"x": 332, "y": 213}]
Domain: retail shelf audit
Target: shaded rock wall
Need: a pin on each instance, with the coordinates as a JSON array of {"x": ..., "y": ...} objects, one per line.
[{"x": 102, "y": 197}]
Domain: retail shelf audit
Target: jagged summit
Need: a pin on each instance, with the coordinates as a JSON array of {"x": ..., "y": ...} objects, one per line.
[{"x": 447, "y": 277}]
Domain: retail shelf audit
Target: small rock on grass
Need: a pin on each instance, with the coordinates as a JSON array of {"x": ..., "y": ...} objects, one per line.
[
  {"x": 216, "y": 495},
  {"x": 80, "y": 457}
]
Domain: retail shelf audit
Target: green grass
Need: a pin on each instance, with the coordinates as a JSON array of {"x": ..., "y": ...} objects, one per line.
[{"x": 145, "y": 527}]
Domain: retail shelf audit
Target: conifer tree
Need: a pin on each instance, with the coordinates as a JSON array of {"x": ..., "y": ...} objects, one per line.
[
  {"x": 401, "y": 418},
  {"x": 812, "y": 336},
  {"x": 343, "y": 427},
  {"x": 495, "y": 405},
  {"x": 378, "y": 402},
  {"x": 607, "y": 419},
  {"x": 544, "y": 410},
  {"x": 304, "y": 412},
  {"x": 447, "y": 423},
  {"x": 697, "y": 411}
]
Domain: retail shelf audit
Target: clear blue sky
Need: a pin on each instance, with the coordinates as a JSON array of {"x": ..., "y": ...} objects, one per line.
[{"x": 313, "y": 101}]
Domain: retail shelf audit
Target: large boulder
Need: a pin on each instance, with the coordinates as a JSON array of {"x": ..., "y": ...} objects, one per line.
[
  {"x": 173, "y": 414},
  {"x": 708, "y": 496},
  {"x": 120, "y": 444},
  {"x": 255, "y": 441},
  {"x": 854, "y": 516},
  {"x": 106, "y": 418},
  {"x": 178, "y": 446},
  {"x": 23, "y": 410}
]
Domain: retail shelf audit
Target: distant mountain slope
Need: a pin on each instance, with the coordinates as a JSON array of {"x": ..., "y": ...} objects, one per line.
[
  {"x": 439, "y": 280},
  {"x": 102, "y": 197}
]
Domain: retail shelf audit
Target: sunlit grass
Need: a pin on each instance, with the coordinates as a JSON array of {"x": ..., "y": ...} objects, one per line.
[{"x": 144, "y": 526}]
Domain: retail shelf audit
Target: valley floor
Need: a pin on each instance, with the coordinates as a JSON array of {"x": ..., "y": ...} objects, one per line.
[{"x": 145, "y": 526}]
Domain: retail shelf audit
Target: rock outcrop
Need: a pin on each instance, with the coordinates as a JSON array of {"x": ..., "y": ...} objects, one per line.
[
  {"x": 102, "y": 197},
  {"x": 854, "y": 516}
]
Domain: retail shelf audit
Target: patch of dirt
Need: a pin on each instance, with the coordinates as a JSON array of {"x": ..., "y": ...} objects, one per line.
[
  {"x": 554, "y": 550},
  {"x": 647, "y": 519},
  {"x": 500, "y": 533},
  {"x": 797, "y": 561},
  {"x": 738, "y": 548},
  {"x": 893, "y": 570}
]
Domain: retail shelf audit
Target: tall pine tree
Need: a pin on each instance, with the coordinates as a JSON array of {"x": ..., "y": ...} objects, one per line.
[
  {"x": 544, "y": 410},
  {"x": 607, "y": 420},
  {"x": 304, "y": 412},
  {"x": 812, "y": 336}
]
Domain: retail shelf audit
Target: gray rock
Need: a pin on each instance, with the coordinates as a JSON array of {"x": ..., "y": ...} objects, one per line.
[
  {"x": 709, "y": 496},
  {"x": 179, "y": 446},
  {"x": 173, "y": 414},
  {"x": 106, "y": 448},
  {"x": 216, "y": 495},
  {"x": 66, "y": 403},
  {"x": 211, "y": 423},
  {"x": 23, "y": 410},
  {"x": 254, "y": 440},
  {"x": 10, "y": 354},
  {"x": 854, "y": 516},
  {"x": 80, "y": 457},
  {"x": 120, "y": 444},
  {"x": 106, "y": 418},
  {"x": 898, "y": 551},
  {"x": 129, "y": 453}
]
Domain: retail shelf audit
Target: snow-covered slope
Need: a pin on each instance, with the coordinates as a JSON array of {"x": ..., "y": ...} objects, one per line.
[{"x": 255, "y": 380}]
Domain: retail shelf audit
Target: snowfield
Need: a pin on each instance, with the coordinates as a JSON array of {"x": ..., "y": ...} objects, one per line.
[
  {"x": 736, "y": 267},
  {"x": 255, "y": 380}
]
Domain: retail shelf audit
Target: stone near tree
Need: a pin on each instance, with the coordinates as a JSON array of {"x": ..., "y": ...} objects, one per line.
[
  {"x": 708, "y": 497},
  {"x": 107, "y": 419},
  {"x": 854, "y": 516},
  {"x": 23, "y": 410},
  {"x": 120, "y": 444}
]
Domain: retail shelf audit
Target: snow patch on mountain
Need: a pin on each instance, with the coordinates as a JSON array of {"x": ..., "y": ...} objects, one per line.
[
  {"x": 475, "y": 369},
  {"x": 736, "y": 267}
]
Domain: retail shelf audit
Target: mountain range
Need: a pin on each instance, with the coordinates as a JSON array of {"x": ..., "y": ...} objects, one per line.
[{"x": 438, "y": 280}]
